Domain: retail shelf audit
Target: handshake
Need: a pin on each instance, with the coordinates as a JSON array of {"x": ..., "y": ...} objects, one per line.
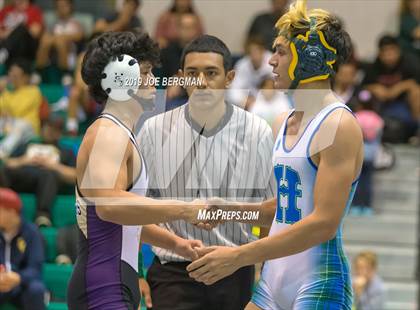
[
  {"x": 207, "y": 214},
  {"x": 209, "y": 264},
  {"x": 212, "y": 263}
]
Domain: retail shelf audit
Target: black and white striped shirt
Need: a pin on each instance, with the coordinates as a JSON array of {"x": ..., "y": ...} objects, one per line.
[{"x": 184, "y": 162}]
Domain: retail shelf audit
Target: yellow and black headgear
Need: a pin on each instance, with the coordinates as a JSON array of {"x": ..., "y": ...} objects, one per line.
[{"x": 312, "y": 57}]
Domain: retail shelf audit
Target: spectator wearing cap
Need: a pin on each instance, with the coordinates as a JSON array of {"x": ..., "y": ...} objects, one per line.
[
  {"x": 20, "y": 105},
  {"x": 21, "y": 256},
  {"x": 44, "y": 168}
]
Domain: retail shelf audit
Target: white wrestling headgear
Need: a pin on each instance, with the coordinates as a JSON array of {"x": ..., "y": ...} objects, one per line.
[{"x": 121, "y": 78}]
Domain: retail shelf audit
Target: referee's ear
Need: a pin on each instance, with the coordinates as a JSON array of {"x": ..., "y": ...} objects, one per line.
[{"x": 229, "y": 78}]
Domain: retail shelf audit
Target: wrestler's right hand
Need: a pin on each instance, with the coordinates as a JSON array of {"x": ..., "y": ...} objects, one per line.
[
  {"x": 202, "y": 213},
  {"x": 193, "y": 210}
]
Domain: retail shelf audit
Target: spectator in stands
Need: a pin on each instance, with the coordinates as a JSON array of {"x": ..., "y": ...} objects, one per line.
[
  {"x": 368, "y": 287},
  {"x": 19, "y": 108},
  {"x": 410, "y": 26},
  {"x": 167, "y": 28},
  {"x": 263, "y": 24},
  {"x": 171, "y": 55},
  {"x": 43, "y": 169},
  {"x": 125, "y": 19},
  {"x": 21, "y": 256},
  {"x": 80, "y": 102},
  {"x": 250, "y": 71},
  {"x": 21, "y": 25},
  {"x": 269, "y": 102},
  {"x": 63, "y": 36},
  {"x": 67, "y": 238},
  {"x": 188, "y": 28},
  {"x": 372, "y": 126},
  {"x": 346, "y": 85},
  {"x": 393, "y": 79}
]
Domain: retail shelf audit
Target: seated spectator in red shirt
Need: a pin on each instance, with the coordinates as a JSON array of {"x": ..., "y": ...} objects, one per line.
[
  {"x": 43, "y": 169},
  {"x": 167, "y": 28},
  {"x": 20, "y": 269},
  {"x": 21, "y": 25},
  {"x": 263, "y": 24},
  {"x": 394, "y": 78},
  {"x": 410, "y": 26},
  {"x": 62, "y": 37},
  {"x": 124, "y": 20}
]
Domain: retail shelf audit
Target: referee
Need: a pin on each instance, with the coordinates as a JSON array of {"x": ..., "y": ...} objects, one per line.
[{"x": 206, "y": 148}]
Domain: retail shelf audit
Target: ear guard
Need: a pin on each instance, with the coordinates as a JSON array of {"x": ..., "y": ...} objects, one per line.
[
  {"x": 312, "y": 57},
  {"x": 121, "y": 77}
]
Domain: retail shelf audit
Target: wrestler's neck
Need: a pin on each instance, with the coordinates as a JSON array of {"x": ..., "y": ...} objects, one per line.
[
  {"x": 208, "y": 118},
  {"x": 311, "y": 98},
  {"x": 127, "y": 112}
]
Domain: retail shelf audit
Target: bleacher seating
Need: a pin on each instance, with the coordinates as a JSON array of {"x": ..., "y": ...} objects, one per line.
[
  {"x": 392, "y": 233},
  {"x": 52, "y": 92},
  {"x": 56, "y": 277}
]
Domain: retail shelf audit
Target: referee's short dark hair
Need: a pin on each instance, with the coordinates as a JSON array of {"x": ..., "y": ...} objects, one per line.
[{"x": 208, "y": 44}]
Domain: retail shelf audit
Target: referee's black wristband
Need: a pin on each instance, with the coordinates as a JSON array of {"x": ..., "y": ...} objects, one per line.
[{"x": 140, "y": 266}]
